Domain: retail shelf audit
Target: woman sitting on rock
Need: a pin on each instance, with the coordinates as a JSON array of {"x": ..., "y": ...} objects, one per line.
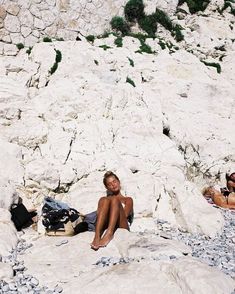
[
  {"x": 231, "y": 182},
  {"x": 225, "y": 200},
  {"x": 114, "y": 211}
]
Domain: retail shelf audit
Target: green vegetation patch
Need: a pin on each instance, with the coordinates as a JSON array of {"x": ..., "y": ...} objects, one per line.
[
  {"x": 47, "y": 39},
  {"x": 131, "y": 62},
  {"x": 105, "y": 47},
  {"x": 163, "y": 19},
  {"x": 145, "y": 48},
  {"x": 213, "y": 64},
  {"x": 58, "y": 59},
  {"x": 195, "y": 5},
  {"x": 134, "y": 10},
  {"x": 130, "y": 81},
  {"x": 118, "y": 42},
  {"x": 120, "y": 25},
  {"x": 28, "y": 51},
  {"x": 20, "y": 46},
  {"x": 90, "y": 38},
  {"x": 149, "y": 24}
]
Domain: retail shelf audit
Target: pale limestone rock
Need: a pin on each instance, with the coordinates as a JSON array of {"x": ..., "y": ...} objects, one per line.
[
  {"x": 12, "y": 23},
  {"x": 8, "y": 235},
  {"x": 63, "y": 5},
  {"x": 35, "y": 11},
  {"x": 25, "y": 31},
  {"x": 10, "y": 49},
  {"x": 36, "y": 33},
  {"x": 178, "y": 276},
  {"x": 6, "y": 271},
  {"x": 30, "y": 40},
  {"x": 13, "y": 9},
  {"x": 48, "y": 17},
  {"x": 25, "y": 4},
  {"x": 16, "y": 38},
  {"x": 3, "y": 12},
  {"x": 39, "y": 24},
  {"x": 27, "y": 133},
  {"x": 168, "y": 6},
  {"x": 51, "y": 30},
  {"x": 11, "y": 172},
  {"x": 5, "y": 36},
  {"x": 13, "y": 96},
  {"x": 1, "y": 47},
  {"x": 26, "y": 18}
]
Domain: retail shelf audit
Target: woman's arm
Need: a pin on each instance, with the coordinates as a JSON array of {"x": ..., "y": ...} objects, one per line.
[
  {"x": 221, "y": 201},
  {"x": 128, "y": 206},
  {"x": 231, "y": 186}
]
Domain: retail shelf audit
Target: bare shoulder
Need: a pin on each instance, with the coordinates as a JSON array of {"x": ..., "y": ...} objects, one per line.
[{"x": 128, "y": 199}]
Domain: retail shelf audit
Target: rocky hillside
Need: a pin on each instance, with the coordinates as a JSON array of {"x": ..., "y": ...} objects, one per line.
[{"x": 152, "y": 99}]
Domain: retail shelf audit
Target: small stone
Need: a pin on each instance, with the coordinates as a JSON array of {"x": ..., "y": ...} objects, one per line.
[
  {"x": 58, "y": 289},
  {"x": 12, "y": 286},
  {"x": 5, "y": 288},
  {"x": 34, "y": 281}
]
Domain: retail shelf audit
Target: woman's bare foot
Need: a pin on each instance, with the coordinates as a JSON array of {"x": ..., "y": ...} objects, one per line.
[
  {"x": 106, "y": 239},
  {"x": 95, "y": 245}
]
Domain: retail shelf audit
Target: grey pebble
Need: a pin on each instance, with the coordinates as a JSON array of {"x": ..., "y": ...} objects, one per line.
[
  {"x": 5, "y": 288},
  {"x": 34, "y": 281},
  {"x": 58, "y": 289}
]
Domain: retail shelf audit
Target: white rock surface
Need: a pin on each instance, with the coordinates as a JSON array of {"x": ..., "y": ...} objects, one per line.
[
  {"x": 166, "y": 138},
  {"x": 6, "y": 272},
  {"x": 73, "y": 263},
  {"x": 8, "y": 234}
]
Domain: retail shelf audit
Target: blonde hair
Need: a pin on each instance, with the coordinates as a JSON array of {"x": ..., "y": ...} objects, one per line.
[
  {"x": 109, "y": 174},
  {"x": 207, "y": 190}
]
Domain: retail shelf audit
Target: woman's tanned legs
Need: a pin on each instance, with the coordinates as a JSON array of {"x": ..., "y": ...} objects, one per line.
[
  {"x": 101, "y": 223},
  {"x": 110, "y": 215},
  {"x": 117, "y": 219}
]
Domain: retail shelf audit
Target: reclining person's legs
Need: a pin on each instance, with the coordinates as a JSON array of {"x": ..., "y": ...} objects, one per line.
[
  {"x": 102, "y": 220},
  {"x": 117, "y": 219}
]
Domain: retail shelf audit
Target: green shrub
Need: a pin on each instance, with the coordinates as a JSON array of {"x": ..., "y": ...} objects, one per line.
[
  {"x": 162, "y": 44},
  {"x": 28, "y": 51},
  {"x": 131, "y": 62},
  {"x": 59, "y": 39},
  {"x": 104, "y": 35},
  {"x": 163, "y": 19},
  {"x": 118, "y": 42},
  {"x": 195, "y": 5},
  {"x": 144, "y": 48},
  {"x": 213, "y": 64},
  {"x": 58, "y": 56},
  {"x": 96, "y": 62},
  {"x": 47, "y": 39},
  {"x": 139, "y": 36},
  {"x": 177, "y": 33},
  {"x": 130, "y": 81},
  {"x": 149, "y": 24},
  {"x": 227, "y": 3},
  {"x": 134, "y": 10},
  {"x": 105, "y": 47},
  {"x": 119, "y": 24},
  {"x": 53, "y": 68},
  {"x": 90, "y": 38},
  {"x": 20, "y": 46}
]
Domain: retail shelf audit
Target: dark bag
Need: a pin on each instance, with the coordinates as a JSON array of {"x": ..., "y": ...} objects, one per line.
[{"x": 20, "y": 216}]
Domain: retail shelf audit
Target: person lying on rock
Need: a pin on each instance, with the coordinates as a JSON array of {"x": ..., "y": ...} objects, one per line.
[
  {"x": 225, "y": 200},
  {"x": 114, "y": 211},
  {"x": 231, "y": 182}
]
